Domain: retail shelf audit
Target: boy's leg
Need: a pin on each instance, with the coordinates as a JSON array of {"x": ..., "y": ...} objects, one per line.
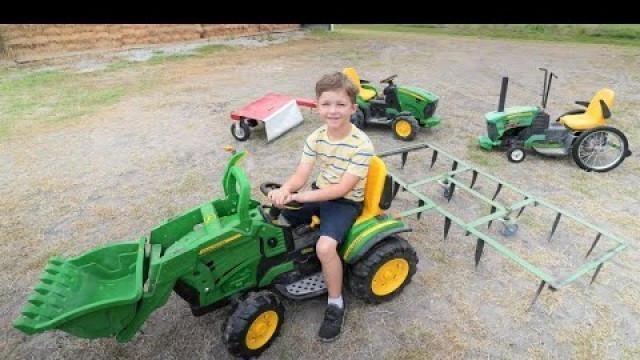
[
  {"x": 327, "y": 251},
  {"x": 336, "y": 219},
  {"x": 302, "y": 215}
]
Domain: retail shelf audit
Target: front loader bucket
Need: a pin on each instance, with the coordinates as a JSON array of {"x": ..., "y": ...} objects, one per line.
[{"x": 90, "y": 296}]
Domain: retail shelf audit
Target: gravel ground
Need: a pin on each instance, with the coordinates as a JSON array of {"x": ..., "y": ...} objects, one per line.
[{"x": 115, "y": 173}]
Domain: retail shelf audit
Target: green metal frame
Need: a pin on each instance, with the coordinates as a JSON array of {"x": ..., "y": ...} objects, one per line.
[{"x": 499, "y": 211}]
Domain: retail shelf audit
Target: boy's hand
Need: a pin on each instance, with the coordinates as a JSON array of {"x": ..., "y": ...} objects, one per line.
[{"x": 279, "y": 197}]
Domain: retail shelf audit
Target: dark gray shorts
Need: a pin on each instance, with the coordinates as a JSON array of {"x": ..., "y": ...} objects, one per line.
[{"x": 336, "y": 216}]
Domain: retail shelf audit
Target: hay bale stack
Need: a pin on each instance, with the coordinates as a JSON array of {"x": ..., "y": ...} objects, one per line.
[{"x": 51, "y": 40}]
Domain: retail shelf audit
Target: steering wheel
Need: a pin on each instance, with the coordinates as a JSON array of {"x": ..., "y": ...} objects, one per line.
[
  {"x": 388, "y": 80},
  {"x": 268, "y": 186}
]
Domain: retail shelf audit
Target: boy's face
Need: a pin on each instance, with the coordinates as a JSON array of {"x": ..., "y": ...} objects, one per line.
[{"x": 335, "y": 108}]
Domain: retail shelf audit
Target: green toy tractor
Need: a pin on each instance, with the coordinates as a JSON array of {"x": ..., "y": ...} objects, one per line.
[
  {"x": 404, "y": 108},
  {"x": 230, "y": 251},
  {"x": 582, "y": 133}
]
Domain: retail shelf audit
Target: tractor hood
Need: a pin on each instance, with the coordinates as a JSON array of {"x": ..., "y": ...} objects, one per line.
[
  {"x": 512, "y": 114},
  {"x": 418, "y": 93}
]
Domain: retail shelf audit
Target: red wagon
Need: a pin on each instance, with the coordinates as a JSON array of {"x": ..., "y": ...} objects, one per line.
[{"x": 278, "y": 112}]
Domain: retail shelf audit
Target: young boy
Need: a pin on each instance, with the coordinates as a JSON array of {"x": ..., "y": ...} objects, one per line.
[{"x": 343, "y": 154}]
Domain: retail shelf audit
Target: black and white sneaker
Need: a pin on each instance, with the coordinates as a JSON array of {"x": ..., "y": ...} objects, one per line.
[{"x": 332, "y": 325}]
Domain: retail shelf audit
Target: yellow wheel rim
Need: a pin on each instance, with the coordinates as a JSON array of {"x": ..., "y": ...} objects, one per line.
[
  {"x": 403, "y": 128},
  {"x": 390, "y": 276},
  {"x": 262, "y": 329}
]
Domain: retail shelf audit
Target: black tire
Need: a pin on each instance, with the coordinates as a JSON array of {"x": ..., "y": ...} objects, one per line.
[
  {"x": 405, "y": 127},
  {"x": 358, "y": 120},
  {"x": 255, "y": 323},
  {"x": 587, "y": 148},
  {"x": 366, "y": 279},
  {"x": 516, "y": 154},
  {"x": 240, "y": 130}
]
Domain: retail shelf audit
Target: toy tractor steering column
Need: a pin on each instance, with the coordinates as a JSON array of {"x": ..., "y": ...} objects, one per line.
[{"x": 274, "y": 211}]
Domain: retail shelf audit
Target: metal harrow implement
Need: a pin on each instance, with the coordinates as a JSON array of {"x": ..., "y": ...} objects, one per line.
[{"x": 495, "y": 201}]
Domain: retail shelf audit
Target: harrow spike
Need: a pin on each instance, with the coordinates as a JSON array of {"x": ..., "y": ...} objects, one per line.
[
  {"x": 520, "y": 212},
  {"x": 434, "y": 158},
  {"x": 454, "y": 166},
  {"x": 474, "y": 177},
  {"x": 497, "y": 191},
  {"x": 447, "y": 225},
  {"x": 396, "y": 187},
  {"x": 593, "y": 245},
  {"x": 593, "y": 278},
  {"x": 479, "y": 249},
  {"x": 537, "y": 294},
  {"x": 555, "y": 225},
  {"x": 493, "y": 209},
  {"x": 420, "y": 204},
  {"x": 404, "y": 158}
]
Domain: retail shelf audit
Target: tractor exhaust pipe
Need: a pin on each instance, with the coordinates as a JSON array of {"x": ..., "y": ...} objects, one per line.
[{"x": 503, "y": 93}]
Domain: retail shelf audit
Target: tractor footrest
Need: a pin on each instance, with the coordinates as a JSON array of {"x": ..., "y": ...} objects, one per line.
[{"x": 305, "y": 288}]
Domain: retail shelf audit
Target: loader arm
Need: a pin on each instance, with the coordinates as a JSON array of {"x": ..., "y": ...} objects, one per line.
[{"x": 164, "y": 272}]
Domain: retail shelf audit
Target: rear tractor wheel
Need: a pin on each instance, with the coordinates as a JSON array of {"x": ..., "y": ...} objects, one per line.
[
  {"x": 384, "y": 271},
  {"x": 600, "y": 149},
  {"x": 358, "y": 120}
]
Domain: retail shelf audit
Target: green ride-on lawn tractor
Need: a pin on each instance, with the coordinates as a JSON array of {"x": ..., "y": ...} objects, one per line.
[
  {"x": 593, "y": 145},
  {"x": 230, "y": 251},
  {"x": 403, "y": 108}
]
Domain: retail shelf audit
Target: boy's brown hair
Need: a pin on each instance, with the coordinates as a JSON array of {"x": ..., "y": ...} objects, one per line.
[{"x": 337, "y": 81}]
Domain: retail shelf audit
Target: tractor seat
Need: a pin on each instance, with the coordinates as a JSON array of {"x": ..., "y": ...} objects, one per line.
[
  {"x": 364, "y": 93},
  {"x": 377, "y": 190},
  {"x": 597, "y": 111}
]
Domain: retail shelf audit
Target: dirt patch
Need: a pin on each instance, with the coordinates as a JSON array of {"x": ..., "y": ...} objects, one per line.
[{"x": 116, "y": 173}]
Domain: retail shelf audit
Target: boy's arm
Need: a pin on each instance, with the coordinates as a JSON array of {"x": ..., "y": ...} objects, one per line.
[
  {"x": 281, "y": 196},
  {"x": 335, "y": 191},
  {"x": 356, "y": 170}
]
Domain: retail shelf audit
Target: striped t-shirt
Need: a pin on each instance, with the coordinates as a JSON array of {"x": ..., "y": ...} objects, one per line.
[{"x": 351, "y": 154}]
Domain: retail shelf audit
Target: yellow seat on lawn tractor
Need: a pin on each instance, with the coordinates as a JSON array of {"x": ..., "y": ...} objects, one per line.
[
  {"x": 598, "y": 110},
  {"x": 364, "y": 93}
]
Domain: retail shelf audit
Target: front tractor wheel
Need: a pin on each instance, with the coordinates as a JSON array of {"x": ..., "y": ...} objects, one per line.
[
  {"x": 384, "y": 271},
  {"x": 516, "y": 154},
  {"x": 405, "y": 128},
  {"x": 254, "y": 324}
]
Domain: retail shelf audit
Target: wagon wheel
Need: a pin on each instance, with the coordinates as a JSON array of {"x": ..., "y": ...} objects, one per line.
[
  {"x": 384, "y": 271},
  {"x": 240, "y": 130},
  {"x": 600, "y": 149},
  {"x": 254, "y": 324}
]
